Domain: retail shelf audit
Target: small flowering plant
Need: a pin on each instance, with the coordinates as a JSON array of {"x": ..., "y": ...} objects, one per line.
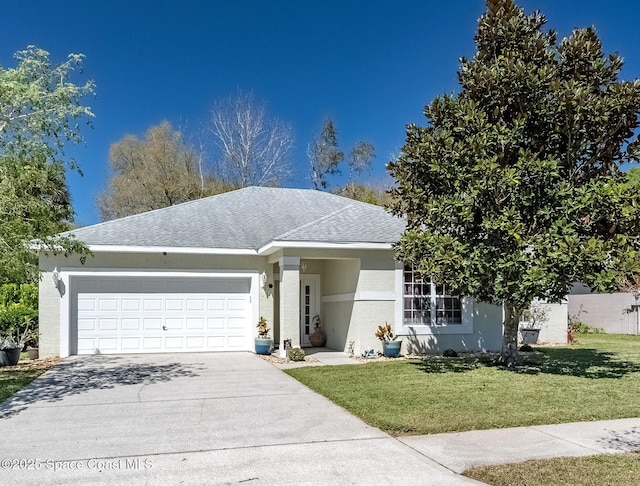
[
  {"x": 263, "y": 330},
  {"x": 385, "y": 333}
]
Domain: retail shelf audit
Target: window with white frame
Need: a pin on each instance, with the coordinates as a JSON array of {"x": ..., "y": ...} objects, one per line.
[{"x": 427, "y": 303}]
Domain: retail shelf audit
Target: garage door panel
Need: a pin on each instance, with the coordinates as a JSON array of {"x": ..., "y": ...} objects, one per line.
[
  {"x": 107, "y": 325},
  {"x": 174, "y": 305},
  {"x": 216, "y": 343},
  {"x": 108, "y": 305},
  {"x": 236, "y": 323},
  {"x": 195, "y": 343},
  {"x": 216, "y": 323},
  {"x": 87, "y": 305},
  {"x": 86, "y": 324},
  {"x": 128, "y": 322},
  {"x": 131, "y": 324},
  {"x": 195, "y": 323},
  {"x": 235, "y": 342},
  {"x": 86, "y": 346},
  {"x": 174, "y": 323},
  {"x": 174, "y": 343},
  {"x": 151, "y": 344},
  {"x": 215, "y": 304},
  {"x": 130, "y": 343},
  {"x": 236, "y": 305},
  {"x": 131, "y": 305},
  {"x": 195, "y": 305},
  {"x": 152, "y": 305},
  {"x": 107, "y": 344},
  {"x": 152, "y": 324}
]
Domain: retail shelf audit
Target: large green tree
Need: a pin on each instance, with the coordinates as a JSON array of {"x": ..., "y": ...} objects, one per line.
[
  {"x": 513, "y": 191},
  {"x": 40, "y": 108},
  {"x": 155, "y": 172}
]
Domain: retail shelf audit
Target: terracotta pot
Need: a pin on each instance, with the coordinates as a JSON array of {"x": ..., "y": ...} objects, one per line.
[
  {"x": 318, "y": 338},
  {"x": 33, "y": 352}
]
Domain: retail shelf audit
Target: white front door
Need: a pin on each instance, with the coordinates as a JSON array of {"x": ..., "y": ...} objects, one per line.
[{"x": 309, "y": 305}]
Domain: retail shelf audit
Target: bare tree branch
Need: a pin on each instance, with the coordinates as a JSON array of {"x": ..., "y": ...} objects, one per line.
[{"x": 253, "y": 149}]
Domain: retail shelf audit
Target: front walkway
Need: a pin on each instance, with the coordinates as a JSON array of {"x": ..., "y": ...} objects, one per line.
[{"x": 318, "y": 357}]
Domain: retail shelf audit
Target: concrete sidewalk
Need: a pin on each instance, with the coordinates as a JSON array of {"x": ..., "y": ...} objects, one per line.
[
  {"x": 463, "y": 450},
  {"x": 460, "y": 451}
]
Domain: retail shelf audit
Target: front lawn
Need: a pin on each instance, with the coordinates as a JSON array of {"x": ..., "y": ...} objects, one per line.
[
  {"x": 603, "y": 470},
  {"x": 14, "y": 378},
  {"x": 597, "y": 378}
]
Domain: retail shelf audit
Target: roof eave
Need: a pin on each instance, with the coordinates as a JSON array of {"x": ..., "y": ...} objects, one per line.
[
  {"x": 170, "y": 249},
  {"x": 276, "y": 245}
]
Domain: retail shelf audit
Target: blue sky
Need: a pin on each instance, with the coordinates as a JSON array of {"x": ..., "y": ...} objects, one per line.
[{"x": 369, "y": 65}]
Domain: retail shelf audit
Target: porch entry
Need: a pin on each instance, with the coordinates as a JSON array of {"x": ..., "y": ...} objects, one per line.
[{"x": 309, "y": 305}]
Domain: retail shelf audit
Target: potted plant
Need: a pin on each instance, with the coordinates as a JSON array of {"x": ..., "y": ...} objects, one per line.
[
  {"x": 531, "y": 323},
  {"x": 318, "y": 338},
  {"x": 390, "y": 343},
  {"x": 12, "y": 344},
  {"x": 263, "y": 343},
  {"x": 32, "y": 346}
]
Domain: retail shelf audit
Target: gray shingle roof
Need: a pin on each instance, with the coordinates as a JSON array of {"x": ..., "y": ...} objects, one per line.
[{"x": 250, "y": 218}]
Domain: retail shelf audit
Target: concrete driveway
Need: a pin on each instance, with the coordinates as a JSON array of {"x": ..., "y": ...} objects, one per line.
[{"x": 228, "y": 418}]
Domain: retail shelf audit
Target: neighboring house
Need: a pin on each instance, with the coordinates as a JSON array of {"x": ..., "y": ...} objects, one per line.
[
  {"x": 197, "y": 277},
  {"x": 615, "y": 313}
]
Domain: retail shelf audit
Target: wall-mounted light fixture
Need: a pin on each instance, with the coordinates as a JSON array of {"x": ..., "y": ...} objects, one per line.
[
  {"x": 263, "y": 279},
  {"x": 303, "y": 265},
  {"x": 55, "y": 275}
]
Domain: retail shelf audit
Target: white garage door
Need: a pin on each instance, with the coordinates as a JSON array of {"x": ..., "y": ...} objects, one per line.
[{"x": 159, "y": 320}]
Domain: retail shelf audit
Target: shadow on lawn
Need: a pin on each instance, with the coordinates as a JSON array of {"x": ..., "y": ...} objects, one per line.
[
  {"x": 92, "y": 373},
  {"x": 437, "y": 364},
  {"x": 580, "y": 362}
]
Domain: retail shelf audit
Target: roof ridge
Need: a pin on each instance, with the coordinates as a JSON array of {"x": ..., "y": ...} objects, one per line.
[{"x": 315, "y": 221}]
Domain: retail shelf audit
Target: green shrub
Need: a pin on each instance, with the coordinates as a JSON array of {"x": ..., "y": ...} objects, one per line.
[
  {"x": 576, "y": 325},
  {"x": 296, "y": 354},
  {"x": 26, "y": 294},
  {"x": 450, "y": 353},
  {"x": 9, "y": 294},
  {"x": 18, "y": 309}
]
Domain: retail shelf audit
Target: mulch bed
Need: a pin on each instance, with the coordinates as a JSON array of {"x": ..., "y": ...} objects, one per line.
[{"x": 36, "y": 364}]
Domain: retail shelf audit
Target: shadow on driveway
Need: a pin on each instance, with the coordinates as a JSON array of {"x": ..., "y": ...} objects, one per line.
[{"x": 93, "y": 373}]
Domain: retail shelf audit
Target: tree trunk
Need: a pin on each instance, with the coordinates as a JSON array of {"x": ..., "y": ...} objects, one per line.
[{"x": 509, "y": 355}]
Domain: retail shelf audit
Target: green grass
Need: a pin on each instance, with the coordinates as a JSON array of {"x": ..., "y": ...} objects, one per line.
[
  {"x": 597, "y": 378},
  {"x": 12, "y": 380},
  {"x": 604, "y": 470}
]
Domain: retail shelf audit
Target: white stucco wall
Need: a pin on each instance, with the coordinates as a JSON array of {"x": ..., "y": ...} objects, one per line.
[
  {"x": 554, "y": 329},
  {"x": 51, "y": 300},
  {"x": 485, "y": 334},
  {"x": 611, "y": 312},
  {"x": 359, "y": 292}
]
